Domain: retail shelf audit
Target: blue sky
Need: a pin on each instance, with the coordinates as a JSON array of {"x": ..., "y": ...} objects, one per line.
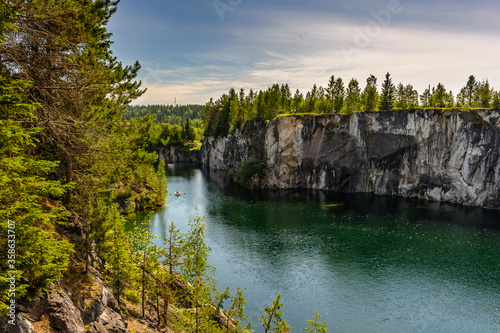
[{"x": 192, "y": 50}]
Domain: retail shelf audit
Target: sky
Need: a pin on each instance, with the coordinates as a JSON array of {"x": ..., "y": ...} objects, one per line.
[{"x": 192, "y": 50}]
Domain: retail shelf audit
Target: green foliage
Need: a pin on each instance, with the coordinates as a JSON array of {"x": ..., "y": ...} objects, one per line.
[
  {"x": 469, "y": 89},
  {"x": 370, "y": 97},
  {"x": 171, "y": 114},
  {"x": 237, "y": 307},
  {"x": 248, "y": 168},
  {"x": 495, "y": 105},
  {"x": 230, "y": 112},
  {"x": 195, "y": 265},
  {"x": 121, "y": 272},
  {"x": 145, "y": 256},
  {"x": 317, "y": 325},
  {"x": 174, "y": 248},
  {"x": 353, "y": 97},
  {"x": 272, "y": 319},
  {"x": 37, "y": 256},
  {"x": 387, "y": 95}
]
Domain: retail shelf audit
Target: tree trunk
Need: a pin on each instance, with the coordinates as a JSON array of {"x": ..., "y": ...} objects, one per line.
[
  {"x": 143, "y": 282},
  {"x": 69, "y": 176}
]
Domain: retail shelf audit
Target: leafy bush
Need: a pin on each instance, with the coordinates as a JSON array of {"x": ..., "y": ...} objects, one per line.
[{"x": 248, "y": 168}]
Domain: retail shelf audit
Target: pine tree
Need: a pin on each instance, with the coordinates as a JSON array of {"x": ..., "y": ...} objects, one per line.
[
  {"x": 470, "y": 89},
  {"x": 237, "y": 309},
  {"x": 338, "y": 95},
  {"x": 439, "y": 96},
  {"x": 297, "y": 101},
  {"x": 353, "y": 95},
  {"x": 370, "y": 95},
  {"x": 425, "y": 98},
  {"x": 286, "y": 98},
  {"x": 495, "y": 105},
  {"x": 25, "y": 220},
  {"x": 272, "y": 319},
  {"x": 120, "y": 269},
  {"x": 330, "y": 93},
  {"x": 146, "y": 254},
  {"x": 234, "y": 109},
  {"x": 485, "y": 94},
  {"x": 65, "y": 51},
  {"x": 198, "y": 271},
  {"x": 318, "y": 326},
  {"x": 387, "y": 95}
]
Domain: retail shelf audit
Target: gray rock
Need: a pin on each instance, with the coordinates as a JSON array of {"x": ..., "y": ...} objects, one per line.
[
  {"x": 429, "y": 154},
  {"x": 112, "y": 321},
  {"x": 62, "y": 312},
  {"x": 175, "y": 155},
  {"x": 22, "y": 325},
  {"x": 97, "y": 327}
]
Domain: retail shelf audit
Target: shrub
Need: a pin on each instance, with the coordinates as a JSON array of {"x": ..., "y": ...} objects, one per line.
[{"x": 248, "y": 168}]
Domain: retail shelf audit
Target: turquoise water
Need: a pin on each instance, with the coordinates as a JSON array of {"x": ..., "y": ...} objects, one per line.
[{"x": 365, "y": 263}]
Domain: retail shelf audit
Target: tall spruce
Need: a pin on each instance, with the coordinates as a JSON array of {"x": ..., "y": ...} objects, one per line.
[
  {"x": 370, "y": 95},
  {"x": 387, "y": 94}
]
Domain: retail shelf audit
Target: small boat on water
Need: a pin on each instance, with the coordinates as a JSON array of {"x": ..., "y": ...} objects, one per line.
[
  {"x": 171, "y": 165},
  {"x": 177, "y": 193}
]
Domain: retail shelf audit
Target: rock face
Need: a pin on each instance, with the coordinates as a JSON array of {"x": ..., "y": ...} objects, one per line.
[
  {"x": 61, "y": 314},
  {"x": 430, "y": 154},
  {"x": 174, "y": 155}
]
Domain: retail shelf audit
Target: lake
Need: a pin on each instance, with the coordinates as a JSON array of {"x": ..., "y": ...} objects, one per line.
[{"x": 365, "y": 263}]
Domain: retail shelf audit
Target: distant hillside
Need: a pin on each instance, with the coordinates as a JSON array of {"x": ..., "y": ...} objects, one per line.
[{"x": 168, "y": 113}]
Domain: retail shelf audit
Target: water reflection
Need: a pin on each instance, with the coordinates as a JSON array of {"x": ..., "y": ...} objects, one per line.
[{"x": 366, "y": 263}]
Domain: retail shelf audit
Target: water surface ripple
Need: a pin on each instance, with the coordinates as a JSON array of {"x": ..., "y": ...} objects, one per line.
[{"x": 365, "y": 263}]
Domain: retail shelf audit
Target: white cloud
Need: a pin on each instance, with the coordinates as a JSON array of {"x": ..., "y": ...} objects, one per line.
[{"x": 303, "y": 49}]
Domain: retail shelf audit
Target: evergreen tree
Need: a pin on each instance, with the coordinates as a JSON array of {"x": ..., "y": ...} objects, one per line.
[
  {"x": 401, "y": 96},
  {"x": 65, "y": 52},
  {"x": 470, "y": 89},
  {"x": 439, "y": 96},
  {"x": 495, "y": 105},
  {"x": 411, "y": 97},
  {"x": 272, "y": 319},
  {"x": 121, "y": 271},
  {"x": 425, "y": 98},
  {"x": 260, "y": 106},
  {"x": 311, "y": 99},
  {"x": 298, "y": 101},
  {"x": 338, "y": 95},
  {"x": 234, "y": 106},
  {"x": 188, "y": 131},
  {"x": 224, "y": 105},
  {"x": 370, "y": 95},
  {"x": 286, "y": 98},
  {"x": 318, "y": 326},
  {"x": 330, "y": 93},
  {"x": 237, "y": 309},
  {"x": 37, "y": 258},
  {"x": 353, "y": 94},
  {"x": 387, "y": 95},
  {"x": 146, "y": 254},
  {"x": 198, "y": 271},
  {"x": 485, "y": 94}
]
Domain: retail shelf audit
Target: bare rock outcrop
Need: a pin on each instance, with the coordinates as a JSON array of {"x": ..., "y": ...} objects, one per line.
[
  {"x": 430, "y": 154},
  {"x": 62, "y": 315}
]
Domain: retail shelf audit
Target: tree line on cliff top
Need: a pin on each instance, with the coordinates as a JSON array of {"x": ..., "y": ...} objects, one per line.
[{"x": 233, "y": 109}]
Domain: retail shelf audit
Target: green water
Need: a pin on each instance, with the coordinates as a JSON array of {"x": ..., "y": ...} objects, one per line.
[{"x": 365, "y": 263}]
